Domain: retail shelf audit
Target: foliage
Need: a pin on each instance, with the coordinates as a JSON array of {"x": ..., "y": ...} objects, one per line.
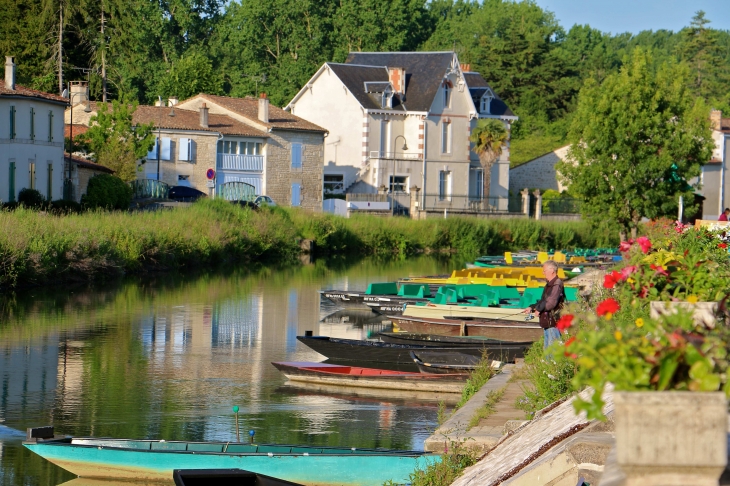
[
  {"x": 548, "y": 380},
  {"x": 477, "y": 379},
  {"x": 532, "y": 146},
  {"x": 489, "y": 137},
  {"x": 106, "y": 191},
  {"x": 31, "y": 198},
  {"x": 636, "y": 139},
  {"x": 115, "y": 143},
  {"x": 701, "y": 50},
  {"x": 63, "y": 206},
  {"x": 191, "y": 74},
  {"x": 443, "y": 473}
]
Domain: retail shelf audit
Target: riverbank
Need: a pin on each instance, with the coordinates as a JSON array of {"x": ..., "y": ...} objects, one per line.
[{"x": 37, "y": 248}]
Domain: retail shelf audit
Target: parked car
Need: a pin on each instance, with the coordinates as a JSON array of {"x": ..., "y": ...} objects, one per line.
[
  {"x": 185, "y": 193},
  {"x": 246, "y": 204},
  {"x": 261, "y": 200}
]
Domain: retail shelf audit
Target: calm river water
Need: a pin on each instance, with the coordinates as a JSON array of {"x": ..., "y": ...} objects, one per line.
[{"x": 169, "y": 358}]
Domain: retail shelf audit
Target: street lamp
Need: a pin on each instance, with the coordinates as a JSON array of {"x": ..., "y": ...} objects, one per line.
[{"x": 404, "y": 148}]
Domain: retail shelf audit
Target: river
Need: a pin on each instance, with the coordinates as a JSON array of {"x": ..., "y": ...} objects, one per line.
[{"x": 168, "y": 358}]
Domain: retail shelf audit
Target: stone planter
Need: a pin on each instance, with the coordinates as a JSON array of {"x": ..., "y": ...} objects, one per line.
[
  {"x": 671, "y": 438},
  {"x": 704, "y": 313}
]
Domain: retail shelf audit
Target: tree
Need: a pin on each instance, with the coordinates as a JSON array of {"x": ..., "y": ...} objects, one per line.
[
  {"x": 115, "y": 142},
  {"x": 699, "y": 47},
  {"x": 636, "y": 139},
  {"x": 488, "y": 137}
]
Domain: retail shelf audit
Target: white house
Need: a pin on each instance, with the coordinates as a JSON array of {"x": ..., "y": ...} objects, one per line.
[
  {"x": 31, "y": 139},
  {"x": 715, "y": 177},
  {"x": 402, "y": 119}
]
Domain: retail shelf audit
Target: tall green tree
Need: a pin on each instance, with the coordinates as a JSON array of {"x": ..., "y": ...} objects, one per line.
[
  {"x": 636, "y": 139},
  {"x": 115, "y": 142},
  {"x": 700, "y": 49},
  {"x": 489, "y": 138}
]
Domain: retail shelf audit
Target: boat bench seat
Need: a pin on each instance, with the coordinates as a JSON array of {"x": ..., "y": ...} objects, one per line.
[
  {"x": 383, "y": 288},
  {"x": 169, "y": 446}
]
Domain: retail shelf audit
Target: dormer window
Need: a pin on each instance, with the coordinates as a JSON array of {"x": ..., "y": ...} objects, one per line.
[
  {"x": 485, "y": 104},
  {"x": 387, "y": 99}
]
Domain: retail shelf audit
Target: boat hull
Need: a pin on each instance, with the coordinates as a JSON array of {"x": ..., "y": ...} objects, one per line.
[
  {"x": 506, "y": 331},
  {"x": 315, "y": 469}
]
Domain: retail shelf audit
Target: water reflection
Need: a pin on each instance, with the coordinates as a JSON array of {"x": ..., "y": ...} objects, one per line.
[{"x": 168, "y": 358}]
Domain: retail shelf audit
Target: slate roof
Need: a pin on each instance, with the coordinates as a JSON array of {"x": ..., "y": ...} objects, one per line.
[
  {"x": 354, "y": 78},
  {"x": 190, "y": 120},
  {"x": 30, "y": 93},
  {"x": 424, "y": 72},
  {"x": 249, "y": 108},
  {"x": 477, "y": 85}
]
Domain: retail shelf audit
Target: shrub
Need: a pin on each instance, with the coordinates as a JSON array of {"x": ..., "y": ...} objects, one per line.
[
  {"x": 30, "y": 198},
  {"x": 62, "y": 206},
  {"x": 548, "y": 380},
  {"x": 106, "y": 191}
]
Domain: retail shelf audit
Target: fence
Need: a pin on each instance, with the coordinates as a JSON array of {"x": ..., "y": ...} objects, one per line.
[
  {"x": 470, "y": 204},
  {"x": 149, "y": 188},
  {"x": 237, "y": 191}
]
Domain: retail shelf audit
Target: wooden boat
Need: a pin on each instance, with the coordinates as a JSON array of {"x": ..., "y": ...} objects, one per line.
[
  {"x": 456, "y": 311},
  {"x": 427, "y": 366},
  {"x": 502, "y": 330},
  {"x": 155, "y": 460},
  {"x": 329, "y": 374},
  {"x": 383, "y": 352},
  {"x": 237, "y": 477},
  {"x": 371, "y": 395},
  {"x": 440, "y": 341}
]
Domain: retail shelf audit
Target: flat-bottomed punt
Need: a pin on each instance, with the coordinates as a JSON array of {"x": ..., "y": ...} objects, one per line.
[
  {"x": 329, "y": 374},
  {"x": 155, "y": 460},
  {"x": 501, "y": 330}
]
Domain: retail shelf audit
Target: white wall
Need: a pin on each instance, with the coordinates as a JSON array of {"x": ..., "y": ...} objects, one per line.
[{"x": 22, "y": 150}]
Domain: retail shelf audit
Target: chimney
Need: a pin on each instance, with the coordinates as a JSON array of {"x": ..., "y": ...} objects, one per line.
[
  {"x": 9, "y": 72},
  {"x": 78, "y": 92},
  {"x": 716, "y": 119},
  {"x": 466, "y": 68},
  {"x": 264, "y": 108},
  {"x": 159, "y": 103},
  {"x": 397, "y": 78},
  {"x": 172, "y": 101},
  {"x": 204, "y": 115}
]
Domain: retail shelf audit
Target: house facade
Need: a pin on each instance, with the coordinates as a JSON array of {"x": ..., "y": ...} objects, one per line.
[
  {"x": 714, "y": 180},
  {"x": 207, "y": 141},
  {"x": 539, "y": 173},
  {"x": 31, "y": 139},
  {"x": 402, "y": 120}
]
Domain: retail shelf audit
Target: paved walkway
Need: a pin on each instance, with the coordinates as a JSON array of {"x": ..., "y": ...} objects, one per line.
[{"x": 504, "y": 412}]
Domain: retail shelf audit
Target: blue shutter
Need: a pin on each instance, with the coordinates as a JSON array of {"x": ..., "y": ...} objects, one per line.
[
  {"x": 165, "y": 150},
  {"x": 152, "y": 154},
  {"x": 296, "y": 195},
  {"x": 184, "y": 149},
  {"x": 296, "y": 156}
]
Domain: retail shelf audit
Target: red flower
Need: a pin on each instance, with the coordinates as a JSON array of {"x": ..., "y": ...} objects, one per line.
[
  {"x": 625, "y": 246},
  {"x": 610, "y": 280},
  {"x": 658, "y": 270},
  {"x": 644, "y": 243},
  {"x": 644, "y": 291},
  {"x": 722, "y": 245},
  {"x": 568, "y": 343},
  {"x": 608, "y": 306},
  {"x": 627, "y": 271},
  {"x": 565, "y": 322}
]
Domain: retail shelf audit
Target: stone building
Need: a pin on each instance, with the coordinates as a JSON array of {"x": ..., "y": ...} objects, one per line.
[
  {"x": 31, "y": 139},
  {"x": 714, "y": 181},
  {"x": 539, "y": 173},
  {"x": 78, "y": 171},
  {"x": 402, "y": 119}
]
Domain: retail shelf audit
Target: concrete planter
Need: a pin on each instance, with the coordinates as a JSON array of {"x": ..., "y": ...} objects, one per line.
[
  {"x": 671, "y": 438},
  {"x": 704, "y": 313}
]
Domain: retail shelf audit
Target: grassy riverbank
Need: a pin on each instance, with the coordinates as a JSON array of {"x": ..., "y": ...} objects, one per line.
[{"x": 39, "y": 248}]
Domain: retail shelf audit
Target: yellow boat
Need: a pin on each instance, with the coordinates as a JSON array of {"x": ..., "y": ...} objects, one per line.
[{"x": 520, "y": 277}]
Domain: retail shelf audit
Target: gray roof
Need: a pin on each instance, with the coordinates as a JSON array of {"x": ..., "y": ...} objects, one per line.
[
  {"x": 355, "y": 77},
  {"x": 477, "y": 86},
  {"x": 424, "y": 72}
]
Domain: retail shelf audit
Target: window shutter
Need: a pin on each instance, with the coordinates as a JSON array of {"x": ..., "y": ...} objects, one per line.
[
  {"x": 49, "y": 188},
  {"x": 32, "y": 123},
  {"x": 184, "y": 149},
  {"x": 12, "y": 122},
  {"x": 165, "y": 149},
  {"x": 152, "y": 154},
  {"x": 296, "y": 156},
  {"x": 50, "y": 126},
  {"x": 295, "y": 194}
]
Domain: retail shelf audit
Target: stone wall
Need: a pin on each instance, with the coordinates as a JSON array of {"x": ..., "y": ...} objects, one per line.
[
  {"x": 279, "y": 174},
  {"x": 538, "y": 173}
]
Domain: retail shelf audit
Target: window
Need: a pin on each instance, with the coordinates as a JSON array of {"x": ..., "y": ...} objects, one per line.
[
  {"x": 49, "y": 185},
  {"x": 384, "y": 138},
  {"x": 296, "y": 194},
  {"x": 31, "y": 173},
  {"x": 250, "y": 148},
  {"x": 447, "y": 94},
  {"x": 480, "y": 185},
  {"x": 50, "y": 126},
  {"x": 12, "y": 123},
  {"x": 32, "y": 123},
  {"x": 152, "y": 154},
  {"x": 296, "y": 156},
  {"x": 165, "y": 149},
  {"x": 11, "y": 179},
  {"x": 445, "y": 137},
  {"x": 186, "y": 149},
  {"x": 334, "y": 183},
  {"x": 398, "y": 183},
  {"x": 444, "y": 185}
]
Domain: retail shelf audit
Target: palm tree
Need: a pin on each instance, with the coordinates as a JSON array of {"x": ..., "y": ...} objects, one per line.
[{"x": 489, "y": 138}]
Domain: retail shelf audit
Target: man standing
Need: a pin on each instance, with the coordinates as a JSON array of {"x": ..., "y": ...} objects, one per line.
[{"x": 549, "y": 305}]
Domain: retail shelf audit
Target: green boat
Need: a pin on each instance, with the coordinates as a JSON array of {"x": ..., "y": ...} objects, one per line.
[{"x": 154, "y": 460}]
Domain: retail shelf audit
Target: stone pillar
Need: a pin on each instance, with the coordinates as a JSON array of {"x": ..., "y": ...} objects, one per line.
[
  {"x": 525, "y": 201},
  {"x": 538, "y": 204},
  {"x": 415, "y": 209}
]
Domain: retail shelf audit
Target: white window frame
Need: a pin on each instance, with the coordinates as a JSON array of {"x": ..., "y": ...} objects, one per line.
[
  {"x": 446, "y": 134},
  {"x": 485, "y": 106},
  {"x": 447, "y": 95},
  {"x": 479, "y": 180},
  {"x": 392, "y": 183},
  {"x": 445, "y": 185}
]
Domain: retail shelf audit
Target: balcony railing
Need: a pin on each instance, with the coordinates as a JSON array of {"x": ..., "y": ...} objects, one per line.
[
  {"x": 250, "y": 163},
  {"x": 374, "y": 154}
]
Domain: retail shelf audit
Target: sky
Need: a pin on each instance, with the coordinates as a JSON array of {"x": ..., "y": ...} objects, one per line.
[{"x": 618, "y": 16}]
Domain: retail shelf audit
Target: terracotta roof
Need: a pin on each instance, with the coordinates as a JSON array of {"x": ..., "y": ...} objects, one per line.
[
  {"x": 78, "y": 130},
  {"x": 30, "y": 93},
  {"x": 725, "y": 124},
  {"x": 87, "y": 163},
  {"x": 714, "y": 161},
  {"x": 249, "y": 108},
  {"x": 190, "y": 120}
]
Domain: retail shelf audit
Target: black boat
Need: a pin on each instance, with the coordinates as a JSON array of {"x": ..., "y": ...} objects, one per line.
[
  {"x": 441, "y": 341},
  {"x": 225, "y": 477},
  {"x": 426, "y": 364},
  {"x": 382, "y": 304},
  {"x": 380, "y": 352}
]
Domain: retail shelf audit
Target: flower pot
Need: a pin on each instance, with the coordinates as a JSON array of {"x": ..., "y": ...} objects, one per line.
[
  {"x": 704, "y": 313},
  {"x": 671, "y": 438}
]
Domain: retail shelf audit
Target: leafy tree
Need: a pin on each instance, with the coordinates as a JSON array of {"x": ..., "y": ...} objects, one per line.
[
  {"x": 488, "y": 137},
  {"x": 193, "y": 73},
  {"x": 115, "y": 142},
  {"x": 636, "y": 139},
  {"x": 699, "y": 47}
]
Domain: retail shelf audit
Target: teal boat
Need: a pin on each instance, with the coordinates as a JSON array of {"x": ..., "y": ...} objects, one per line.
[{"x": 154, "y": 460}]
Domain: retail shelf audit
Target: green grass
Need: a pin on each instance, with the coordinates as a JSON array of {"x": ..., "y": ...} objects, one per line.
[
  {"x": 442, "y": 473},
  {"x": 478, "y": 378},
  {"x": 489, "y": 407},
  {"x": 525, "y": 149}
]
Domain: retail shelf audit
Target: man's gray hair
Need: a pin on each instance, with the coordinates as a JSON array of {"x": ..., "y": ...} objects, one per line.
[{"x": 551, "y": 264}]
